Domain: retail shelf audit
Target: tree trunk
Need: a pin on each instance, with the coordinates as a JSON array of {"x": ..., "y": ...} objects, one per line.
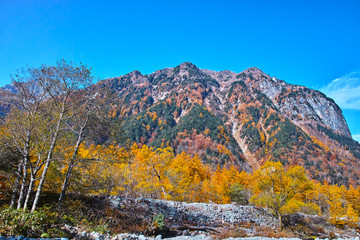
[
  {"x": 280, "y": 220},
  {"x": 23, "y": 167},
  {"x": 48, "y": 159},
  {"x": 31, "y": 185},
  {"x": 23, "y": 183},
  {"x": 71, "y": 166},
  {"x": 15, "y": 190}
]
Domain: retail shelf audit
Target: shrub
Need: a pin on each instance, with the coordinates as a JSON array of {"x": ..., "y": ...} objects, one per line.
[
  {"x": 158, "y": 221},
  {"x": 30, "y": 224},
  {"x": 237, "y": 194}
]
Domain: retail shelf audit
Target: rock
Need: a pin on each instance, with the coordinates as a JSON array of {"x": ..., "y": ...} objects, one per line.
[
  {"x": 84, "y": 234},
  {"x": 185, "y": 233}
]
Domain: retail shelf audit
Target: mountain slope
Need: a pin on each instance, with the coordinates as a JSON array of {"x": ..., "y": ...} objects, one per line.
[{"x": 242, "y": 119}]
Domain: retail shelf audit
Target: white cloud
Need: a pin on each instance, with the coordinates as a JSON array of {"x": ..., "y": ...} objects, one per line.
[
  {"x": 345, "y": 91},
  {"x": 356, "y": 137}
]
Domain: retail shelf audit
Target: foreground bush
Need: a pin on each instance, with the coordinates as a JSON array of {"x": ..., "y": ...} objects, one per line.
[{"x": 40, "y": 223}]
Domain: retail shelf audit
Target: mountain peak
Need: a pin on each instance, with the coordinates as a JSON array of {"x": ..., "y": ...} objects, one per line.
[
  {"x": 134, "y": 75},
  {"x": 189, "y": 69},
  {"x": 187, "y": 65},
  {"x": 253, "y": 70}
]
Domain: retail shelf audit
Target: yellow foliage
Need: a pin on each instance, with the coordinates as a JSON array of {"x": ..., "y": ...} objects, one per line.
[
  {"x": 278, "y": 189},
  {"x": 337, "y": 210},
  {"x": 352, "y": 217},
  {"x": 316, "y": 141},
  {"x": 142, "y": 171},
  {"x": 207, "y": 131},
  {"x": 262, "y": 136},
  {"x": 187, "y": 174},
  {"x": 153, "y": 116},
  {"x": 223, "y": 150}
]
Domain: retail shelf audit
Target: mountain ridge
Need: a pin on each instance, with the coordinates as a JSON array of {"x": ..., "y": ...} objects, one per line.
[
  {"x": 268, "y": 86},
  {"x": 242, "y": 119}
]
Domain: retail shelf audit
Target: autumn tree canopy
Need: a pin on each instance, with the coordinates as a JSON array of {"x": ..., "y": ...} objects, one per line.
[{"x": 279, "y": 189}]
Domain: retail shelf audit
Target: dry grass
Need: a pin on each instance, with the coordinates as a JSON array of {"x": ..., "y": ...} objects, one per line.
[
  {"x": 234, "y": 233},
  {"x": 273, "y": 233}
]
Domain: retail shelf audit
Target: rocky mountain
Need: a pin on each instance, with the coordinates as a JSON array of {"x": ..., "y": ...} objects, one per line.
[{"x": 242, "y": 119}]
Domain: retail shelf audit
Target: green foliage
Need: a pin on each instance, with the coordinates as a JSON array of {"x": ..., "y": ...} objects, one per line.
[
  {"x": 205, "y": 82},
  {"x": 163, "y": 129},
  {"x": 236, "y": 84},
  {"x": 45, "y": 235},
  {"x": 289, "y": 134},
  {"x": 137, "y": 126},
  {"x": 241, "y": 76},
  {"x": 106, "y": 130},
  {"x": 252, "y": 135},
  {"x": 254, "y": 113},
  {"x": 156, "y": 80},
  {"x": 103, "y": 228},
  {"x": 199, "y": 119},
  {"x": 271, "y": 120},
  {"x": 354, "y": 146},
  {"x": 237, "y": 194},
  {"x": 250, "y": 131},
  {"x": 30, "y": 224},
  {"x": 158, "y": 221}
]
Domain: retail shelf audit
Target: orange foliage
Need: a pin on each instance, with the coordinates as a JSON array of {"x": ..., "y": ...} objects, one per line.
[{"x": 142, "y": 171}]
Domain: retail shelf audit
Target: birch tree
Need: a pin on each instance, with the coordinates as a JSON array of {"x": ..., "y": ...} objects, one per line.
[
  {"x": 61, "y": 82},
  {"x": 26, "y": 100},
  {"x": 42, "y": 100},
  {"x": 78, "y": 125}
]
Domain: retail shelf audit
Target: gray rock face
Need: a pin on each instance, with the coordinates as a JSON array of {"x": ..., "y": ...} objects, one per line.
[
  {"x": 201, "y": 214},
  {"x": 298, "y": 103},
  {"x": 312, "y": 106}
]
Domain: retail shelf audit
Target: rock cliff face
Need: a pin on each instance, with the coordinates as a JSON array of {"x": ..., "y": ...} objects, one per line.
[
  {"x": 300, "y": 104},
  {"x": 241, "y": 119}
]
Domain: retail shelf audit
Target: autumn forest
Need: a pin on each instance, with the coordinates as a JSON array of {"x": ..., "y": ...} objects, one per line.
[{"x": 60, "y": 136}]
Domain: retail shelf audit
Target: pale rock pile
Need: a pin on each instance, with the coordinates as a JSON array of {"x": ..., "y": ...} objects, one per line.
[{"x": 201, "y": 214}]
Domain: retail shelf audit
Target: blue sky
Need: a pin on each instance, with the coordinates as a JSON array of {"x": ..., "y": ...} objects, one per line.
[{"x": 310, "y": 43}]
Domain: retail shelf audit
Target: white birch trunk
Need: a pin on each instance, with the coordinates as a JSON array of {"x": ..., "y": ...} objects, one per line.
[
  {"x": 15, "y": 189},
  {"x": 71, "y": 166},
  {"x": 23, "y": 183},
  {"x": 49, "y": 157},
  {"x": 24, "y": 169},
  {"x": 31, "y": 185}
]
